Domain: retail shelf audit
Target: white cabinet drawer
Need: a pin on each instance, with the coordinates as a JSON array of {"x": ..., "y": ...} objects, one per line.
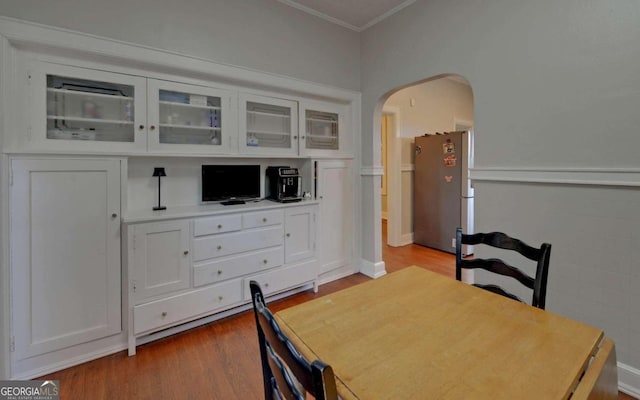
[
  {"x": 262, "y": 218},
  {"x": 281, "y": 279},
  {"x": 213, "y": 225},
  {"x": 231, "y": 267},
  {"x": 236, "y": 242},
  {"x": 187, "y": 306}
]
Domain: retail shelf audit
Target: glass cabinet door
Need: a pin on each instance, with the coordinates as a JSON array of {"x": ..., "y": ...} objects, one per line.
[
  {"x": 84, "y": 109},
  {"x": 188, "y": 116},
  {"x": 325, "y": 127},
  {"x": 81, "y": 109},
  {"x": 268, "y": 125},
  {"x": 322, "y": 130}
]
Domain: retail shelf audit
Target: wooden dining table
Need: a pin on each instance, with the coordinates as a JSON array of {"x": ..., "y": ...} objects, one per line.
[{"x": 415, "y": 334}]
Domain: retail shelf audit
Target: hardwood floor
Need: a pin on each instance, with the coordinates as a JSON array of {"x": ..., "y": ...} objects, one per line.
[{"x": 217, "y": 361}]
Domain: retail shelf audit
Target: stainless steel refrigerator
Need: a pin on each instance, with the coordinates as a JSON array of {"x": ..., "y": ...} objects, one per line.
[{"x": 442, "y": 193}]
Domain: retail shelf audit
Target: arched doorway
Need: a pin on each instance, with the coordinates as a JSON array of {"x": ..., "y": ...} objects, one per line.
[{"x": 440, "y": 104}]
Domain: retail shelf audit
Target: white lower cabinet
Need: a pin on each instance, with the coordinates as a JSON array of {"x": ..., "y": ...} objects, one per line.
[
  {"x": 223, "y": 252},
  {"x": 65, "y": 258},
  {"x": 161, "y": 262}
]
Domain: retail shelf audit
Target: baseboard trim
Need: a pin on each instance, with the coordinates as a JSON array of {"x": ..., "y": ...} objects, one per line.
[
  {"x": 406, "y": 239},
  {"x": 372, "y": 270},
  {"x": 55, "y": 367},
  {"x": 629, "y": 380}
]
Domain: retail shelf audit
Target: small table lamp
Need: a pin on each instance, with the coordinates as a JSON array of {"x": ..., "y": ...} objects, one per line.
[{"x": 159, "y": 171}]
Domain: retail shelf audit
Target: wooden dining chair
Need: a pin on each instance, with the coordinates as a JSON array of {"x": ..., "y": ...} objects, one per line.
[
  {"x": 497, "y": 266},
  {"x": 286, "y": 373}
]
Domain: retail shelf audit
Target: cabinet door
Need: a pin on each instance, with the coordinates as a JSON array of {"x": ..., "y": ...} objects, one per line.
[
  {"x": 323, "y": 129},
  {"x": 334, "y": 191},
  {"x": 65, "y": 246},
  {"x": 82, "y": 109},
  {"x": 300, "y": 233},
  {"x": 190, "y": 118},
  {"x": 268, "y": 125},
  {"x": 160, "y": 258}
]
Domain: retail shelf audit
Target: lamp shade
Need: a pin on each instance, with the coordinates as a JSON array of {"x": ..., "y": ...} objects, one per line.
[{"x": 159, "y": 171}]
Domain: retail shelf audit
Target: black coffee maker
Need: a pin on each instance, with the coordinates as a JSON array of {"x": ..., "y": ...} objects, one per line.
[{"x": 283, "y": 184}]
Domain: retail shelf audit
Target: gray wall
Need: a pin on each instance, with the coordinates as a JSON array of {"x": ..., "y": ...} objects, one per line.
[
  {"x": 555, "y": 84},
  {"x": 259, "y": 34}
]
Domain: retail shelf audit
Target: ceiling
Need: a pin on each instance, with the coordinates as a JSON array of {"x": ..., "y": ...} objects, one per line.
[{"x": 357, "y": 15}]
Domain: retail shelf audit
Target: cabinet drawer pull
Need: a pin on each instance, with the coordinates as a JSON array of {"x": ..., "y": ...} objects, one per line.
[
  {"x": 114, "y": 215},
  {"x": 219, "y": 247},
  {"x": 141, "y": 127},
  {"x": 264, "y": 261},
  {"x": 220, "y": 298},
  {"x": 288, "y": 235},
  {"x": 219, "y": 272},
  {"x": 152, "y": 127},
  {"x": 266, "y": 285},
  {"x": 164, "y": 314},
  {"x": 186, "y": 252},
  {"x": 264, "y": 220},
  {"x": 219, "y": 226}
]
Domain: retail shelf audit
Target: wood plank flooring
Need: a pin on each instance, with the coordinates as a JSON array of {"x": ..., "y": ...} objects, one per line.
[{"x": 217, "y": 361}]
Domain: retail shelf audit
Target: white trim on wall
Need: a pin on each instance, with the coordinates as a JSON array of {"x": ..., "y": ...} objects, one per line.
[
  {"x": 571, "y": 176},
  {"x": 373, "y": 170},
  {"x": 629, "y": 380},
  {"x": 394, "y": 178}
]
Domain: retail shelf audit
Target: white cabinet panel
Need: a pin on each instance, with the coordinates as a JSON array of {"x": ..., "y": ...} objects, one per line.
[
  {"x": 220, "y": 224},
  {"x": 65, "y": 245},
  {"x": 300, "y": 238},
  {"x": 237, "y": 265},
  {"x": 184, "y": 307},
  {"x": 160, "y": 258},
  {"x": 282, "y": 278},
  {"x": 222, "y": 245},
  {"x": 336, "y": 222}
]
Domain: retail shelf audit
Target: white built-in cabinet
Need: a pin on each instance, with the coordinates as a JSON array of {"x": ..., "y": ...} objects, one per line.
[
  {"x": 161, "y": 262},
  {"x": 324, "y": 128},
  {"x": 300, "y": 233},
  {"x": 189, "y": 118},
  {"x": 65, "y": 253},
  {"x": 84, "y": 109},
  {"x": 334, "y": 190},
  {"x": 70, "y": 110},
  {"x": 268, "y": 125},
  {"x": 222, "y": 253},
  {"x": 79, "y": 109}
]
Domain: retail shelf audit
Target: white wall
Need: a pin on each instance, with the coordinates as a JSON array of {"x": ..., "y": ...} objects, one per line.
[
  {"x": 437, "y": 104},
  {"x": 259, "y": 34},
  {"x": 556, "y": 89}
]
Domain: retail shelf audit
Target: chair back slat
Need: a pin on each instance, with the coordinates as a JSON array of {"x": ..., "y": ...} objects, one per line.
[
  {"x": 502, "y": 241},
  {"x": 286, "y": 373},
  {"x": 500, "y": 267}
]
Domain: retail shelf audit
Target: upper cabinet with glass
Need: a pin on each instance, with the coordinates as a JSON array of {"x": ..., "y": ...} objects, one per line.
[
  {"x": 268, "y": 125},
  {"x": 190, "y": 118},
  {"x": 80, "y": 110},
  {"x": 323, "y": 129},
  {"x": 79, "y": 107}
]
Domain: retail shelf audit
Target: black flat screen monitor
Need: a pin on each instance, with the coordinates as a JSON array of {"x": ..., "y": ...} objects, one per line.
[{"x": 224, "y": 182}]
